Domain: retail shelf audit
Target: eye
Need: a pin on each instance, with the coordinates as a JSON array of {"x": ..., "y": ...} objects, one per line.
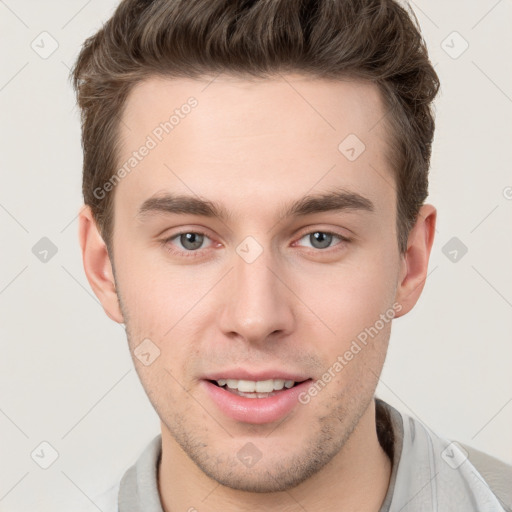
[
  {"x": 188, "y": 243},
  {"x": 322, "y": 239}
]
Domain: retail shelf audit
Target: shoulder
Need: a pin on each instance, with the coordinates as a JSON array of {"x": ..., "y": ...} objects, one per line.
[
  {"x": 475, "y": 477},
  {"x": 446, "y": 472},
  {"x": 106, "y": 501},
  {"x": 496, "y": 473},
  {"x": 143, "y": 474}
]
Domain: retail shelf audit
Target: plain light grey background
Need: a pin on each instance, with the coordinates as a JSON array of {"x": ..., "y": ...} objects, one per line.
[{"x": 66, "y": 377}]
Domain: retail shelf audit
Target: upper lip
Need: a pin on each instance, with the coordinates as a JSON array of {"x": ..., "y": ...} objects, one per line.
[{"x": 243, "y": 374}]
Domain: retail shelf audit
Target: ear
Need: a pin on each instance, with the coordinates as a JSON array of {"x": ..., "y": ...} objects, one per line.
[
  {"x": 414, "y": 264},
  {"x": 97, "y": 266}
]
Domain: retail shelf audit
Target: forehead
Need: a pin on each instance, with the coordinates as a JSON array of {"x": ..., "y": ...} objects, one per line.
[{"x": 262, "y": 138}]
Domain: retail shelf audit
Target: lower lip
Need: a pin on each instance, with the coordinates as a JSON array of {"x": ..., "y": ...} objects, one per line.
[{"x": 256, "y": 410}]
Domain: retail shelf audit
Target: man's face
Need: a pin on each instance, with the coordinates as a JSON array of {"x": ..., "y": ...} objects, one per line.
[{"x": 257, "y": 295}]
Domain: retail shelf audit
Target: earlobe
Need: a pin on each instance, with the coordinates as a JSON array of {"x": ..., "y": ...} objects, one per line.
[
  {"x": 415, "y": 261},
  {"x": 97, "y": 265}
]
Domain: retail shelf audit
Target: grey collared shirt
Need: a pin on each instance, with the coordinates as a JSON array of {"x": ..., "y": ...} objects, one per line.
[{"x": 429, "y": 473}]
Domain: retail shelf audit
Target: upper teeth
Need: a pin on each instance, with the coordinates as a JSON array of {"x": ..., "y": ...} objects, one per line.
[{"x": 258, "y": 386}]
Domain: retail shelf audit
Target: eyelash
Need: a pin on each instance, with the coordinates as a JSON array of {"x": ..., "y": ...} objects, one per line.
[{"x": 196, "y": 253}]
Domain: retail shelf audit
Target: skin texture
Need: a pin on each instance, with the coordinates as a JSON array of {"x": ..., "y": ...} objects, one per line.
[{"x": 254, "y": 146}]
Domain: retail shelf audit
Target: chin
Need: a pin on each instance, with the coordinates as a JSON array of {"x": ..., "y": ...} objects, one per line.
[{"x": 262, "y": 480}]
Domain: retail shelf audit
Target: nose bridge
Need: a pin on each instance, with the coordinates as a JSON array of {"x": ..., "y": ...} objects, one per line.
[{"x": 257, "y": 303}]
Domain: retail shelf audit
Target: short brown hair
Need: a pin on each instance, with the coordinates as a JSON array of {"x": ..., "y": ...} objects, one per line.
[{"x": 372, "y": 40}]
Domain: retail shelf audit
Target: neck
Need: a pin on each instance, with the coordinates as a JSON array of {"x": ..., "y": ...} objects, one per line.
[{"x": 356, "y": 479}]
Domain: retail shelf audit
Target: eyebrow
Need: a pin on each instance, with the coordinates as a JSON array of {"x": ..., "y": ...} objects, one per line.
[{"x": 336, "y": 200}]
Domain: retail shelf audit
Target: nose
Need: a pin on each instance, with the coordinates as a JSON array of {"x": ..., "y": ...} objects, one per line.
[{"x": 258, "y": 305}]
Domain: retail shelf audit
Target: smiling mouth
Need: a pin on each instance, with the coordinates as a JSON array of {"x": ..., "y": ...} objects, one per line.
[{"x": 256, "y": 389}]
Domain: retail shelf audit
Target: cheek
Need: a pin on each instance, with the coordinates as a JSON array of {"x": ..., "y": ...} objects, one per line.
[
  {"x": 350, "y": 297},
  {"x": 165, "y": 305},
  {"x": 165, "y": 386},
  {"x": 158, "y": 295}
]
